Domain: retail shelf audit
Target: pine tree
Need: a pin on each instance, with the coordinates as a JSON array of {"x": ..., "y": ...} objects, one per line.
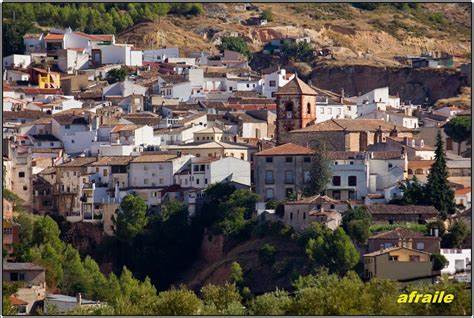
[{"x": 438, "y": 189}]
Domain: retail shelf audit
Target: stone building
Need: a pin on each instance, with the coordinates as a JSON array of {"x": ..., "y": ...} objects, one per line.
[{"x": 296, "y": 108}]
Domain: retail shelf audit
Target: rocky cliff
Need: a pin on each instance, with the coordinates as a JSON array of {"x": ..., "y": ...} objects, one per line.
[{"x": 415, "y": 85}]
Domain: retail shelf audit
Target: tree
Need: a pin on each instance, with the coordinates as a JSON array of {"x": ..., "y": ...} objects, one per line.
[
  {"x": 178, "y": 302},
  {"x": 413, "y": 193},
  {"x": 439, "y": 261},
  {"x": 117, "y": 75},
  {"x": 75, "y": 276},
  {"x": 320, "y": 172},
  {"x": 277, "y": 303},
  {"x": 236, "y": 274},
  {"x": 267, "y": 253},
  {"x": 456, "y": 235},
  {"x": 236, "y": 44},
  {"x": 222, "y": 300},
  {"x": 131, "y": 218},
  {"x": 459, "y": 130},
  {"x": 267, "y": 14},
  {"x": 440, "y": 193},
  {"x": 300, "y": 52},
  {"x": 331, "y": 249},
  {"x": 356, "y": 223}
]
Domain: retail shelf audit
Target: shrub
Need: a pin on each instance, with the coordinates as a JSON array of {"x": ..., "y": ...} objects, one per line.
[{"x": 267, "y": 254}]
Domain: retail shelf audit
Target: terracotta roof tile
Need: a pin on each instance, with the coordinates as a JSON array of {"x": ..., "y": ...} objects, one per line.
[
  {"x": 113, "y": 160},
  {"x": 286, "y": 149},
  {"x": 463, "y": 190},
  {"x": 124, "y": 127},
  {"x": 401, "y": 209},
  {"x": 153, "y": 158},
  {"x": 79, "y": 162},
  {"x": 52, "y": 36},
  {"x": 296, "y": 87},
  {"x": 397, "y": 233},
  {"x": 350, "y": 125}
]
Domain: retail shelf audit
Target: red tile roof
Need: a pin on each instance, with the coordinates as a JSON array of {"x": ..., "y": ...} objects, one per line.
[
  {"x": 463, "y": 190},
  {"x": 286, "y": 149},
  {"x": 54, "y": 37},
  {"x": 296, "y": 87}
]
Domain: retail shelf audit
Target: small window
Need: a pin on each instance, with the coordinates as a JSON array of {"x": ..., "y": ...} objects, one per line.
[
  {"x": 420, "y": 246},
  {"x": 390, "y": 165},
  {"x": 307, "y": 159},
  {"x": 352, "y": 181},
  {"x": 269, "y": 159},
  {"x": 67, "y": 126},
  {"x": 21, "y": 174},
  {"x": 72, "y": 141},
  {"x": 308, "y": 108},
  {"x": 393, "y": 258},
  {"x": 269, "y": 194},
  {"x": 336, "y": 180},
  {"x": 289, "y": 159},
  {"x": 197, "y": 181},
  {"x": 351, "y": 163}
]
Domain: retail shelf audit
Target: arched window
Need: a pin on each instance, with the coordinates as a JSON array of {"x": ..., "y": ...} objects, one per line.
[
  {"x": 308, "y": 108},
  {"x": 289, "y": 106}
]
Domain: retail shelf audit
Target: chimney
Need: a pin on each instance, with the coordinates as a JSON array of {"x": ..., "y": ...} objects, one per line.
[
  {"x": 342, "y": 96},
  {"x": 79, "y": 299}
]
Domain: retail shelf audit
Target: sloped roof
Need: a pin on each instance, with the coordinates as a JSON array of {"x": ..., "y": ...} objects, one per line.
[
  {"x": 395, "y": 248},
  {"x": 153, "y": 158},
  {"x": 124, "y": 127},
  {"x": 352, "y": 125},
  {"x": 8, "y": 266},
  {"x": 296, "y": 87},
  {"x": 79, "y": 162},
  {"x": 286, "y": 149},
  {"x": 397, "y": 233},
  {"x": 401, "y": 209},
  {"x": 113, "y": 160},
  {"x": 52, "y": 36},
  {"x": 316, "y": 199}
]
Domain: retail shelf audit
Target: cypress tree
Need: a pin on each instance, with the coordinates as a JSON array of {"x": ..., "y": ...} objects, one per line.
[{"x": 438, "y": 189}]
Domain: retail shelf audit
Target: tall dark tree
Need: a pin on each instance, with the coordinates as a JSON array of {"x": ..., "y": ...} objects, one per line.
[
  {"x": 320, "y": 172},
  {"x": 459, "y": 130},
  {"x": 440, "y": 193},
  {"x": 131, "y": 218}
]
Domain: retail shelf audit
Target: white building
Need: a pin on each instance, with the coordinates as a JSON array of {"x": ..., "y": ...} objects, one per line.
[
  {"x": 272, "y": 81},
  {"x": 14, "y": 76},
  {"x": 207, "y": 171},
  {"x": 327, "y": 109},
  {"x": 459, "y": 260},
  {"x": 160, "y": 55},
  {"x": 379, "y": 95},
  {"x": 155, "y": 170},
  {"x": 17, "y": 60},
  {"x": 72, "y": 60},
  {"x": 119, "y": 54},
  {"x": 75, "y": 132}
]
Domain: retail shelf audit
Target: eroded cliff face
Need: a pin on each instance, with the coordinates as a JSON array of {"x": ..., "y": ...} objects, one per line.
[{"x": 415, "y": 85}]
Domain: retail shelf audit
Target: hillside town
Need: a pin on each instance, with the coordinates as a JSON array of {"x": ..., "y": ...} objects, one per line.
[{"x": 90, "y": 124}]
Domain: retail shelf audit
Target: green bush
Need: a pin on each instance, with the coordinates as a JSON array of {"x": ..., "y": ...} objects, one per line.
[{"x": 266, "y": 254}]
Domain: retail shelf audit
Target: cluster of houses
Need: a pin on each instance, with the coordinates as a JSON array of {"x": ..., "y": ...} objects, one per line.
[{"x": 76, "y": 145}]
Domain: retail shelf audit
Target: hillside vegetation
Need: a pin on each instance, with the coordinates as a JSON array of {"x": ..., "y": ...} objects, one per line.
[{"x": 358, "y": 33}]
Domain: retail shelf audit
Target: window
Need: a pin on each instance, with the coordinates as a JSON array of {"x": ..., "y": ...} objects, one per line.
[
  {"x": 197, "y": 181},
  {"x": 288, "y": 159},
  {"x": 269, "y": 177},
  {"x": 308, "y": 108},
  {"x": 393, "y": 258},
  {"x": 160, "y": 180},
  {"x": 17, "y": 276},
  {"x": 269, "y": 159},
  {"x": 269, "y": 193},
  {"x": 351, "y": 163},
  {"x": 72, "y": 141},
  {"x": 336, "y": 180},
  {"x": 321, "y": 110},
  {"x": 248, "y": 85},
  {"x": 205, "y": 181},
  {"x": 67, "y": 127},
  {"x": 25, "y": 188},
  {"x": 145, "y": 181},
  {"x": 352, "y": 181},
  {"x": 307, "y": 159},
  {"x": 420, "y": 246},
  {"x": 21, "y": 174},
  {"x": 289, "y": 177},
  {"x": 419, "y": 171},
  {"x": 289, "y": 191},
  {"x": 336, "y": 194},
  {"x": 106, "y": 172},
  {"x": 414, "y": 258},
  {"x": 306, "y": 176},
  {"x": 272, "y": 84},
  {"x": 390, "y": 165},
  {"x": 196, "y": 168},
  {"x": 289, "y": 106}
]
